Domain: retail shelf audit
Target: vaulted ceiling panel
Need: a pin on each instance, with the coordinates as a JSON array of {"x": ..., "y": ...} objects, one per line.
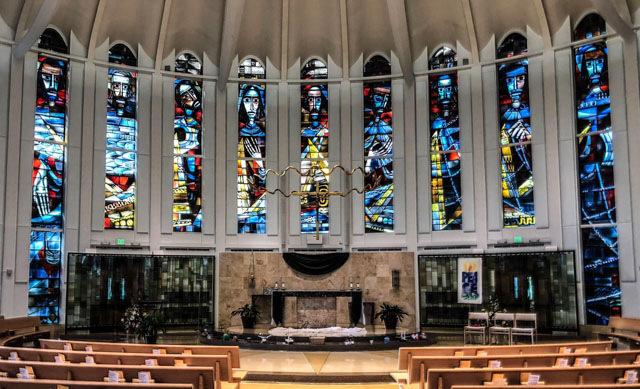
[
  {"x": 9, "y": 16},
  {"x": 314, "y": 30},
  {"x": 369, "y": 28},
  {"x": 261, "y": 31},
  {"x": 501, "y": 17}
]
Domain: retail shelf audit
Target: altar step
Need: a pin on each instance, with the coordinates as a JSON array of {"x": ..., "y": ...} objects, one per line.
[{"x": 310, "y": 378}]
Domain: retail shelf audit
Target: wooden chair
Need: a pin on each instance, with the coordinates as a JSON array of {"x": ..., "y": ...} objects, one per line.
[
  {"x": 523, "y": 330},
  {"x": 19, "y": 330},
  {"x": 496, "y": 329},
  {"x": 477, "y": 323}
]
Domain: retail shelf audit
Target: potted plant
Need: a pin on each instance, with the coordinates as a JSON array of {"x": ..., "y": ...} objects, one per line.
[
  {"x": 248, "y": 314},
  {"x": 149, "y": 325},
  {"x": 131, "y": 319},
  {"x": 390, "y": 315}
]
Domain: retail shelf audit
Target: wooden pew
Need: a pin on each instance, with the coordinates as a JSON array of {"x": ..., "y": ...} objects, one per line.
[
  {"x": 233, "y": 352},
  {"x": 420, "y": 366},
  {"x": 15, "y": 383},
  {"x": 622, "y": 328},
  {"x": 606, "y": 386},
  {"x": 405, "y": 353},
  {"x": 106, "y": 358},
  {"x": 199, "y": 377},
  {"x": 603, "y": 375},
  {"x": 18, "y": 330}
]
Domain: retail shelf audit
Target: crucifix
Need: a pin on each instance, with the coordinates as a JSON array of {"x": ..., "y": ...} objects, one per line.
[{"x": 319, "y": 194}]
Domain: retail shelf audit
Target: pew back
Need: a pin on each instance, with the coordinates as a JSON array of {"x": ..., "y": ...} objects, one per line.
[
  {"x": 601, "y": 386},
  {"x": 406, "y": 353},
  {"x": 107, "y": 358},
  {"x": 605, "y": 375},
  {"x": 17, "y": 330},
  {"x": 199, "y": 377},
  {"x": 516, "y": 361},
  {"x": 14, "y": 383}
]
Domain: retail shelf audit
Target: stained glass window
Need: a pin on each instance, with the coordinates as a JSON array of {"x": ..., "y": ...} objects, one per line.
[
  {"x": 446, "y": 194},
  {"x": 515, "y": 135},
  {"x": 252, "y": 112},
  {"x": 378, "y": 147},
  {"x": 314, "y": 131},
  {"x": 122, "y": 134},
  {"x": 187, "y": 147},
  {"x": 595, "y": 170},
  {"x": 47, "y": 200}
]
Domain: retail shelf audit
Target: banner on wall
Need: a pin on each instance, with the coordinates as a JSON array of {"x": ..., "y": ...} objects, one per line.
[{"x": 470, "y": 280}]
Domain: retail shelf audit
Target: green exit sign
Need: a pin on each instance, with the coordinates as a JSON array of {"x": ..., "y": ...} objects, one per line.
[
  {"x": 517, "y": 239},
  {"x": 120, "y": 241}
]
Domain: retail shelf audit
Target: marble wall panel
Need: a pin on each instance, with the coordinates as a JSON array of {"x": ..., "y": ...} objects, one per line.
[{"x": 372, "y": 270}]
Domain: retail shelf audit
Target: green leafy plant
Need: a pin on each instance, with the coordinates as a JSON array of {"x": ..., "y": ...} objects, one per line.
[
  {"x": 391, "y": 314},
  {"x": 247, "y": 312},
  {"x": 149, "y": 325}
]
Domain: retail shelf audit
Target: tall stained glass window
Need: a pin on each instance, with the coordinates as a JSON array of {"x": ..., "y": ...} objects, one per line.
[
  {"x": 314, "y": 132},
  {"x": 378, "y": 147},
  {"x": 122, "y": 134},
  {"x": 187, "y": 147},
  {"x": 515, "y": 134},
  {"x": 446, "y": 194},
  {"x": 595, "y": 171},
  {"x": 252, "y": 113},
  {"x": 47, "y": 204}
]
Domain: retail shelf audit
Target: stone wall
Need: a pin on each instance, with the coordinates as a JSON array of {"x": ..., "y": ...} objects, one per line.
[{"x": 372, "y": 269}]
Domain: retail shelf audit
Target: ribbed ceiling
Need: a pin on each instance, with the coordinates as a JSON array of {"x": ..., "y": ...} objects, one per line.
[{"x": 314, "y": 26}]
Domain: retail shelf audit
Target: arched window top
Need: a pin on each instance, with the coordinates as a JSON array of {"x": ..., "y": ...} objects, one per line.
[
  {"x": 590, "y": 26},
  {"x": 52, "y": 40},
  {"x": 251, "y": 68},
  {"x": 377, "y": 66},
  {"x": 444, "y": 57},
  {"x": 514, "y": 44},
  {"x": 188, "y": 63},
  {"x": 121, "y": 54},
  {"x": 314, "y": 69}
]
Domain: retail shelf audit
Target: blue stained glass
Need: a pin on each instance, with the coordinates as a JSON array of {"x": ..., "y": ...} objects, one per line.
[
  {"x": 187, "y": 121},
  {"x": 251, "y": 197},
  {"x": 314, "y": 208},
  {"x": 121, "y": 110},
  {"x": 446, "y": 194},
  {"x": 187, "y": 186},
  {"x": 378, "y": 199},
  {"x": 597, "y": 189},
  {"x": 120, "y": 189},
  {"x": 47, "y": 185},
  {"x": 44, "y": 274},
  {"x": 602, "y": 282},
  {"x": 515, "y": 128},
  {"x": 512, "y": 45}
]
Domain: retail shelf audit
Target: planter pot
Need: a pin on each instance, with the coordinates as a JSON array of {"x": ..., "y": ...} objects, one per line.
[
  {"x": 391, "y": 323},
  {"x": 248, "y": 322}
]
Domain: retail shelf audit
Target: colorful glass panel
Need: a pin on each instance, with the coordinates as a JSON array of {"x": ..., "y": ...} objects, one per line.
[
  {"x": 512, "y": 45},
  {"x": 45, "y": 253},
  {"x": 251, "y": 149},
  {"x": 187, "y": 147},
  {"x": 515, "y": 144},
  {"x": 446, "y": 194},
  {"x": 314, "y": 121},
  {"x": 444, "y": 57},
  {"x": 47, "y": 200},
  {"x": 378, "y": 148},
  {"x": 187, "y": 187},
  {"x": 121, "y": 158},
  {"x": 596, "y": 178},
  {"x": 601, "y": 279}
]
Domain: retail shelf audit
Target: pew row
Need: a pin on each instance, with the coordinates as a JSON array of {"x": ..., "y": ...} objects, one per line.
[
  {"x": 232, "y": 351},
  {"x": 601, "y": 375},
  {"x": 19, "y": 330},
  {"x": 15, "y": 383},
  {"x": 622, "y": 328},
  {"x": 605, "y": 386},
  {"x": 406, "y": 353},
  {"x": 198, "y": 377},
  {"x": 109, "y": 358},
  {"x": 420, "y": 366}
]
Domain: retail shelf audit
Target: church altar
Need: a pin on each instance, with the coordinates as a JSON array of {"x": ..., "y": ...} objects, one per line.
[{"x": 355, "y": 312}]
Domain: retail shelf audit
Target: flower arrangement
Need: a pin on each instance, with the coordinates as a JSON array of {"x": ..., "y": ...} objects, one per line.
[
  {"x": 132, "y": 318},
  {"x": 492, "y": 307}
]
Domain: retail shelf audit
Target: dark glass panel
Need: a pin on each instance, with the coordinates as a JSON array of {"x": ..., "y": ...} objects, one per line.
[
  {"x": 512, "y": 45},
  {"x": 445, "y": 57},
  {"x": 590, "y": 26},
  {"x": 601, "y": 278},
  {"x": 377, "y": 66}
]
